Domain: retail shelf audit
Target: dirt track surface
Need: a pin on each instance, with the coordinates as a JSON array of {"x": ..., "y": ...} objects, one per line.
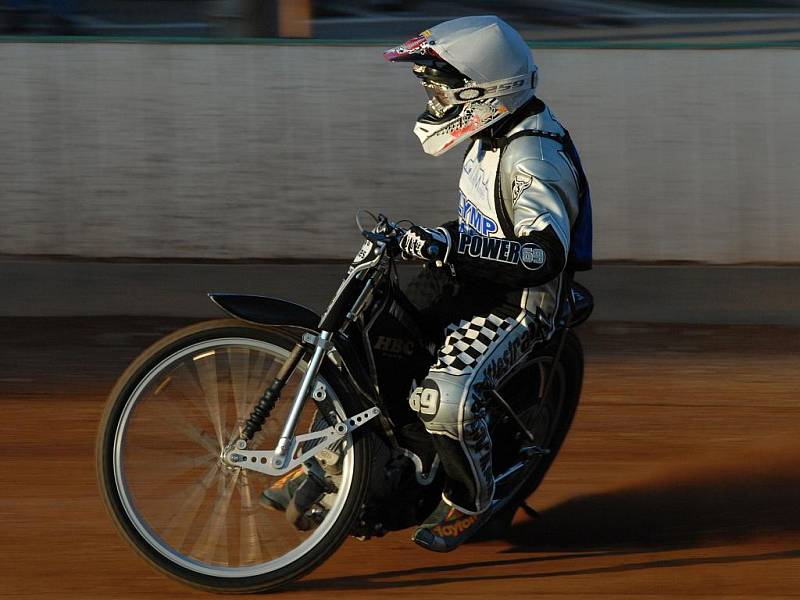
[{"x": 680, "y": 477}]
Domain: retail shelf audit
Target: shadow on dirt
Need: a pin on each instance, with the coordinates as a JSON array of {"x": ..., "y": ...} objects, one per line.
[
  {"x": 705, "y": 502},
  {"x": 530, "y": 569},
  {"x": 751, "y": 495}
]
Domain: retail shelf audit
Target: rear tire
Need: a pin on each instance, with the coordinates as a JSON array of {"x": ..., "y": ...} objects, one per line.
[
  {"x": 112, "y": 438},
  {"x": 571, "y": 361}
]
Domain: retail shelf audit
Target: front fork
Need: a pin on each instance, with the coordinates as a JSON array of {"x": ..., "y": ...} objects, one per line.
[{"x": 321, "y": 346}]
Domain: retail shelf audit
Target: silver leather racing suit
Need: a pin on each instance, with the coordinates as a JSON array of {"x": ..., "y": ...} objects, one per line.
[{"x": 517, "y": 205}]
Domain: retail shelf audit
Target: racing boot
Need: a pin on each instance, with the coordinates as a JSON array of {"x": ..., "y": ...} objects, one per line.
[
  {"x": 447, "y": 528},
  {"x": 279, "y": 494}
]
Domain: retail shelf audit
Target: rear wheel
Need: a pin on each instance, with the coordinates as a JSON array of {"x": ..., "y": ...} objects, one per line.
[
  {"x": 167, "y": 423},
  {"x": 549, "y": 419}
]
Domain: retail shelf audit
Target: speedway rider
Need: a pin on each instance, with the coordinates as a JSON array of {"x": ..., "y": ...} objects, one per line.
[{"x": 494, "y": 279}]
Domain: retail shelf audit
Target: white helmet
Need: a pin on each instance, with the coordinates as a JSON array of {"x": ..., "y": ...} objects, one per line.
[{"x": 476, "y": 70}]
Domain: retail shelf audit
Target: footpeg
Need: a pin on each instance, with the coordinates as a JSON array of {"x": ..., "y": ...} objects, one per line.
[
  {"x": 532, "y": 451},
  {"x": 304, "y": 498}
]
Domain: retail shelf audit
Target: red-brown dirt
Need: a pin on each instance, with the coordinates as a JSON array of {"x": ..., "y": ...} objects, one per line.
[{"x": 680, "y": 477}]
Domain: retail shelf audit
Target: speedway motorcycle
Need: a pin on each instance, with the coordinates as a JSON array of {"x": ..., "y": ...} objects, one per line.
[{"x": 211, "y": 415}]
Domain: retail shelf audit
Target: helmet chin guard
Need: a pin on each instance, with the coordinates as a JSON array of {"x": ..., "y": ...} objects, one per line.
[
  {"x": 439, "y": 137},
  {"x": 494, "y": 75}
]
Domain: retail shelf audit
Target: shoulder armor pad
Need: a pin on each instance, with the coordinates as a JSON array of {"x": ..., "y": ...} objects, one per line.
[{"x": 541, "y": 169}]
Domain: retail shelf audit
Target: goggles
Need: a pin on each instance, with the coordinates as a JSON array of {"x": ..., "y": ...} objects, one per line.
[{"x": 448, "y": 96}]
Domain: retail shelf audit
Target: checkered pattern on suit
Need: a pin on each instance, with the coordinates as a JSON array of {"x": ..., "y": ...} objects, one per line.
[{"x": 467, "y": 341}]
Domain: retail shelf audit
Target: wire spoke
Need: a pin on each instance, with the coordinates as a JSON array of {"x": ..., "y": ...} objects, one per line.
[
  {"x": 208, "y": 542},
  {"x": 153, "y": 461},
  {"x": 183, "y": 517},
  {"x": 238, "y": 363},
  {"x": 189, "y": 431},
  {"x": 187, "y": 387},
  {"x": 249, "y": 540},
  {"x": 205, "y": 367}
]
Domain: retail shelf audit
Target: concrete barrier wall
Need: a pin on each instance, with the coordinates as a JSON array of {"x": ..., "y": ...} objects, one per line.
[{"x": 233, "y": 151}]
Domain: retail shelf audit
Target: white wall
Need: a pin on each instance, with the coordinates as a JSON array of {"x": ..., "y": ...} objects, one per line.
[{"x": 231, "y": 151}]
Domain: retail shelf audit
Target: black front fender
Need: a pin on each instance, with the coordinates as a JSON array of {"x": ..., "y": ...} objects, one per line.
[{"x": 263, "y": 310}]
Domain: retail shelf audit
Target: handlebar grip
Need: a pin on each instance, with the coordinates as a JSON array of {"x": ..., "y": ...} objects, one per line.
[{"x": 373, "y": 236}]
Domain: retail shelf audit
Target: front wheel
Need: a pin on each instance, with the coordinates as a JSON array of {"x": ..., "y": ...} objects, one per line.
[{"x": 196, "y": 518}]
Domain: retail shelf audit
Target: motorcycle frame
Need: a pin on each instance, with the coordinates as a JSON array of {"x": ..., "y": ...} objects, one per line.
[{"x": 370, "y": 268}]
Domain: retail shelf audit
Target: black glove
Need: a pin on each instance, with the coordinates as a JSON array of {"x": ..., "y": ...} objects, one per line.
[{"x": 426, "y": 244}]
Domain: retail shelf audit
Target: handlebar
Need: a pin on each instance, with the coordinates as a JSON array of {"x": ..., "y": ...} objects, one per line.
[{"x": 383, "y": 232}]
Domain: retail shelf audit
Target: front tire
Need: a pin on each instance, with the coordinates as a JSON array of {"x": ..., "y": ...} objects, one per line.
[{"x": 166, "y": 423}]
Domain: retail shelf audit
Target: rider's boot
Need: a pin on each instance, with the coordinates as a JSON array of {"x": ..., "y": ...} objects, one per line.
[
  {"x": 279, "y": 494},
  {"x": 447, "y": 528}
]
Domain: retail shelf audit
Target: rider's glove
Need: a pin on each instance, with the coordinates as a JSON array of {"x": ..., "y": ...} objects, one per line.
[{"x": 426, "y": 244}]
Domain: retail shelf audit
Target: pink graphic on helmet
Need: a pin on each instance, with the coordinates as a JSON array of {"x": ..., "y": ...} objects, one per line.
[{"x": 416, "y": 47}]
